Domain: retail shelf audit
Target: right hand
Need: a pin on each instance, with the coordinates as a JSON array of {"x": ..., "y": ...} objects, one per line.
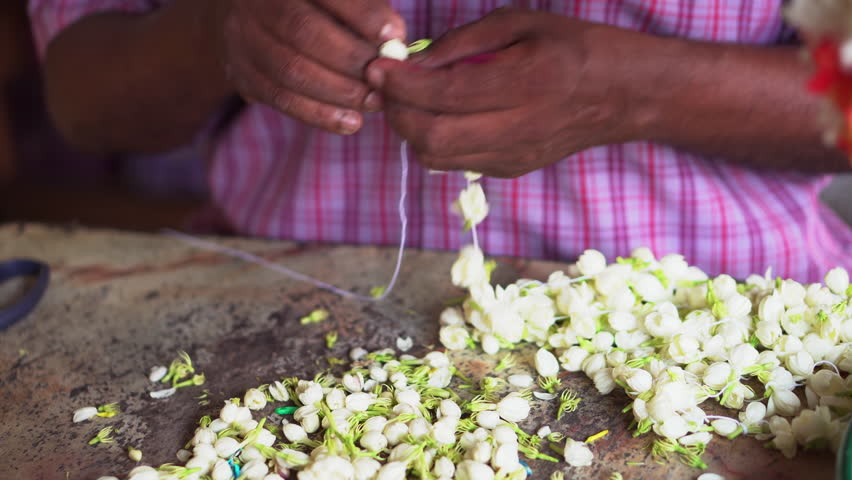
[{"x": 306, "y": 58}]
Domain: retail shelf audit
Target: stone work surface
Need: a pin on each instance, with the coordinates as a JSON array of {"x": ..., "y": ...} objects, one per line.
[{"x": 120, "y": 303}]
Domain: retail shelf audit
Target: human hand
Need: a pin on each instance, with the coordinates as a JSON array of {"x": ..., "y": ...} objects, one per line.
[
  {"x": 306, "y": 58},
  {"x": 513, "y": 92}
]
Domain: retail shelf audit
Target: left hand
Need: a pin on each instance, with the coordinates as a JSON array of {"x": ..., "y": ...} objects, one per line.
[{"x": 512, "y": 93}]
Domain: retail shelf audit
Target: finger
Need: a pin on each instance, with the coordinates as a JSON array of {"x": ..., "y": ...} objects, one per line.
[
  {"x": 316, "y": 34},
  {"x": 449, "y": 135},
  {"x": 458, "y": 88},
  {"x": 256, "y": 87},
  {"x": 373, "y": 20},
  {"x": 491, "y": 164},
  {"x": 302, "y": 75},
  {"x": 495, "y": 31}
]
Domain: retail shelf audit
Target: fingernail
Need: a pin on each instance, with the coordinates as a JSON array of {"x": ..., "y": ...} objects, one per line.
[
  {"x": 350, "y": 122},
  {"x": 373, "y": 102},
  {"x": 375, "y": 77},
  {"x": 390, "y": 32}
]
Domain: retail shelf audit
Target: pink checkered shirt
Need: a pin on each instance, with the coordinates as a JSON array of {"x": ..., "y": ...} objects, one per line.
[{"x": 275, "y": 177}]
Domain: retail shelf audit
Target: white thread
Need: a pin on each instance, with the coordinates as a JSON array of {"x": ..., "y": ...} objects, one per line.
[
  {"x": 826, "y": 362},
  {"x": 251, "y": 258}
]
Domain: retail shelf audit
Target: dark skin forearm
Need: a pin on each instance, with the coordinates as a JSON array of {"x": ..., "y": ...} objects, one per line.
[
  {"x": 745, "y": 104},
  {"x": 520, "y": 90},
  {"x": 131, "y": 82}
]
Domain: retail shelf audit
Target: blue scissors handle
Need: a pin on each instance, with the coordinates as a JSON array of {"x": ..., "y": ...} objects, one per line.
[{"x": 23, "y": 268}]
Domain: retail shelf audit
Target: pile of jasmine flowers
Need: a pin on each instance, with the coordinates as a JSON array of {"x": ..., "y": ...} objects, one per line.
[
  {"x": 387, "y": 418},
  {"x": 773, "y": 351}
]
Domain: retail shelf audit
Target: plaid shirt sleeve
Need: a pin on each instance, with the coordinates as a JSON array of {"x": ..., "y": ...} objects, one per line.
[{"x": 49, "y": 17}]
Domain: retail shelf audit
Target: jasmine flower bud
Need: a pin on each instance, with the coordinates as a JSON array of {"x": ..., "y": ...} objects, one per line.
[
  {"x": 392, "y": 471},
  {"x": 826, "y": 382},
  {"x": 661, "y": 324},
  {"x": 639, "y": 381},
  {"x": 204, "y": 436},
  {"x": 593, "y": 363},
  {"x": 504, "y": 434},
  {"x": 490, "y": 344},
  {"x": 480, "y": 452},
  {"x": 573, "y": 358},
  {"x": 505, "y": 457},
  {"x": 395, "y": 432},
  {"x": 488, "y": 419},
  {"x": 335, "y": 399},
  {"x": 444, "y": 468},
  {"x": 449, "y": 408},
  {"x": 699, "y": 438},
  {"x": 650, "y": 288},
  {"x": 792, "y": 293},
  {"x": 471, "y": 470},
  {"x": 444, "y": 431},
  {"x": 684, "y": 349},
  {"x": 837, "y": 280},
  {"x": 513, "y": 407},
  {"x": 85, "y": 413},
  {"x": 310, "y": 423},
  {"x": 591, "y": 262},
  {"x": 724, "y": 426},
  {"x": 309, "y": 393},
  {"x": 184, "y": 455},
  {"x": 754, "y": 413},
  {"x": 577, "y": 454},
  {"x": 469, "y": 269},
  {"x": 521, "y": 381},
  {"x": 295, "y": 433},
  {"x": 616, "y": 358},
  {"x": 408, "y": 397},
  {"x": 546, "y": 364},
  {"x": 743, "y": 356},
  {"x": 603, "y": 381},
  {"x": 229, "y": 412},
  {"x": 374, "y": 441},
  {"x": 357, "y": 354},
  {"x": 454, "y": 337},
  {"x": 394, "y": 49},
  {"x": 768, "y": 332},
  {"x": 672, "y": 427},
  {"x": 376, "y": 424},
  {"x": 157, "y": 373},
  {"x": 365, "y": 468},
  {"x": 440, "y": 378},
  {"x": 543, "y": 431},
  {"x": 254, "y": 470},
  {"x": 784, "y": 402},
  {"x": 279, "y": 392},
  {"x": 143, "y": 473},
  {"x": 800, "y": 363},
  {"x": 226, "y": 446},
  {"x": 250, "y": 453},
  {"x": 254, "y": 399},
  {"x": 717, "y": 375}
]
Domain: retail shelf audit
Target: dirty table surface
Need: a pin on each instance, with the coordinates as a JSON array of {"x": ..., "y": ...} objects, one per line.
[{"x": 120, "y": 303}]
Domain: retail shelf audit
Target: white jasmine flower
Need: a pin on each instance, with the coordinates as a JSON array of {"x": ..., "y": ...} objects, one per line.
[
  {"x": 812, "y": 425},
  {"x": 661, "y": 324},
  {"x": 768, "y": 357},
  {"x": 786, "y": 442},
  {"x": 454, "y": 338},
  {"x": 573, "y": 358},
  {"x": 724, "y": 286},
  {"x": 157, "y": 373},
  {"x": 395, "y": 432},
  {"x": 488, "y": 419},
  {"x": 378, "y": 374},
  {"x": 800, "y": 363},
  {"x": 437, "y": 360},
  {"x": 358, "y": 402},
  {"x": 490, "y": 344},
  {"x": 639, "y": 381},
  {"x": 784, "y": 402},
  {"x": 602, "y": 341},
  {"x": 335, "y": 399},
  {"x": 738, "y": 306},
  {"x": 471, "y": 470},
  {"x": 250, "y": 453},
  {"x": 792, "y": 293},
  {"x": 643, "y": 254},
  {"x": 505, "y": 457},
  {"x": 684, "y": 349},
  {"x": 203, "y": 436},
  {"x": 546, "y": 364},
  {"x": 353, "y": 382},
  {"x": 523, "y": 381},
  {"x": 698, "y": 438},
  {"x": 577, "y": 454},
  {"x": 754, "y": 413},
  {"x": 226, "y": 446},
  {"x": 183, "y": 455},
  {"x": 622, "y": 321},
  {"x": 504, "y": 434},
  {"x": 376, "y": 423},
  {"x": 309, "y": 393},
  {"x": 630, "y": 341},
  {"x": 365, "y": 468},
  {"x": 469, "y": 269},
  {"x": 674, "y": 267},
  {"x": 357, "y": 354},
  {"x": 444, "y": 430},
  {"x": 724, "y": 426},
  {"x": 404, "y": 343},
  {"x": 218, "y": 425},
  {"x": 222, "y": 471},
  {"x": 826, "y": 382},
  {"x": 254, "y": 399},
  {"x": 737, "y": 395},
  {"x": 672, "y": 427},
  {"x": 441, "y": 377},
  {"x": 395, "y": 49},
  {"x": 279, "y": 392},
  {"x": 603, "y": 381},
  {"x": 591, "y": 263},
  {"x": 593, "y": 363},
  {"x": 294, "y": 433},
  {"x": 513, "y": 407},
  {"x": 444, "y": 468},
  {"x": 787, "y": 345},
  {"x": 649, "y": 288},
  {"x": 768, "y": 333},
  {"x": 616, "y": 358},
  {"x": 837, "y": 280},
  {"x": 254, "y": 470},
  {"x": 743, "y": 356},
  {"x": 85, "y": 413},
  {"x": 503, "y": 320},
  {"x": 419, "y": 428},
  {"x": 472, "y": 205},
  {"x": 374, "y": 441},
  {"x": 621, "y": 300},
  {"x": 480, "y": 452}
]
